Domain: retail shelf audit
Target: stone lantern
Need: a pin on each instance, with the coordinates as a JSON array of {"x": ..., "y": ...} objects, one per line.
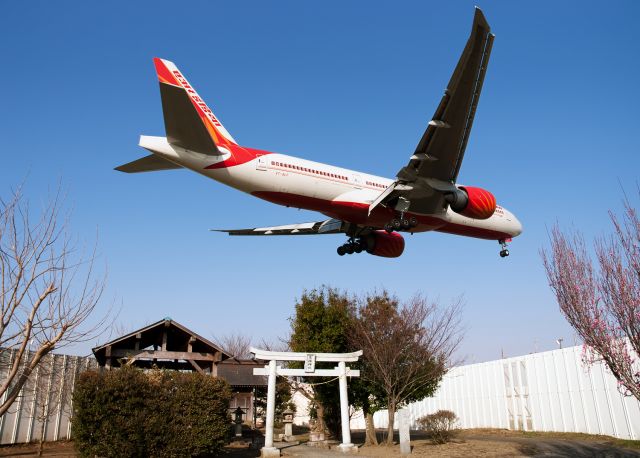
[
  {"x": 287, "y": 419},
  {"x": 237, "y": 414}
]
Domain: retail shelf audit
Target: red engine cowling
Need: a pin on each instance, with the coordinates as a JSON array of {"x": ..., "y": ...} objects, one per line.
[
  {"x": 381, "y": 243},
  {"x": 481, "y": 204}
]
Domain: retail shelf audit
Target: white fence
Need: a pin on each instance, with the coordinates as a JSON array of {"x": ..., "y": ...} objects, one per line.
[
  {"x": 43, "y": 408},
  {"x": 548, "y": 391}
]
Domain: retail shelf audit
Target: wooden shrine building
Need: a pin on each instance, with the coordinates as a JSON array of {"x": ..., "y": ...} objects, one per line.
[{"x": 167, "y": 344}]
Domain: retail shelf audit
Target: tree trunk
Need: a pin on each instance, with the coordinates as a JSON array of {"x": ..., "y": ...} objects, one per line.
[
  {"x": 370, "y": 438},
  {"x": 392, "y": 412},
  {"x": 320, "y": 426}
]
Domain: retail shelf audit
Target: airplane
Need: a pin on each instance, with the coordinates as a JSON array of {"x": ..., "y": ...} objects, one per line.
[{"x": 372, "y": 211}]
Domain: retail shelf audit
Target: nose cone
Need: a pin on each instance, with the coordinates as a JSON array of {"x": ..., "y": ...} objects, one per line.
[
  {"x": 515, "y": 227},
  {"x": 512, "y": 226}
]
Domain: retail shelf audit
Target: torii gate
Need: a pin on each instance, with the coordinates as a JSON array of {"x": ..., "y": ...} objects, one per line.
[{"x": 272, "y": 370}]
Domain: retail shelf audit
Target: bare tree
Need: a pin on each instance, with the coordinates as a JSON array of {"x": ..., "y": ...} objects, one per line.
[
  {"x": 406, "y": 348},
  {"x": 601, "y": 298},
  {"x": 236, "y": 344},
  {"x": 48, "y": 290}
]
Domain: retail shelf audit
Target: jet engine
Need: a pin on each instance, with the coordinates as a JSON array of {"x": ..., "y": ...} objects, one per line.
[
  {"x": 382, "y": 243},
  {"x": 472, "y": 202}
]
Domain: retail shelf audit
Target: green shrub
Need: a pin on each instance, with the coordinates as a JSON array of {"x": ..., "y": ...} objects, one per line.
[
  {"x": 110, "y": 412},
  {"x": 441, "y": 426},
  {"x": 127, "y": 412},
  {"x": 198, "y": 408}
]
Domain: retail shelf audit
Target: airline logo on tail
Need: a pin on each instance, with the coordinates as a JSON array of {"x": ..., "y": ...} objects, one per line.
[{"x": 168, "y": 73}]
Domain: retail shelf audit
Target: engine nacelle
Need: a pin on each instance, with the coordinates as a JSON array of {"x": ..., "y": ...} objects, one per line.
[
  {"x": 472, "y": 202},
  {"x": 381, "y": 243}
]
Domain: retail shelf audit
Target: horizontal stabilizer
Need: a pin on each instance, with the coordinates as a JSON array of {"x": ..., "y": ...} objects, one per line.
[{"x": 149, "y": 163}]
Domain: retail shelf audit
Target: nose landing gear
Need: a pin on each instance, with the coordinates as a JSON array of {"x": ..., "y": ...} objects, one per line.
[{"x": 503, "y": 252}]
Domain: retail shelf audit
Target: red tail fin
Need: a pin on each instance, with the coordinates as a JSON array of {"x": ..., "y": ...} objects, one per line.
[{"x": 168, "y": 74}]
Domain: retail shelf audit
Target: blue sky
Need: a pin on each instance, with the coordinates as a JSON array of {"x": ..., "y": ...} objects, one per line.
[{"x": 347, "y": 83}]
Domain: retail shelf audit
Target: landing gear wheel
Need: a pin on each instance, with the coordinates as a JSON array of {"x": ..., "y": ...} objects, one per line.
[
  {"x": 341, "y": 250},
  {"x": 388, "y": 227},
  {"x": 396, "y": 224},
  {"x": 349, "y": 248},
  {"x": 504, "y": 252},
  {"x": 413, "y": 222},
  {"x": 358, "y": 248},
  {"x": 405, "y": 224}
]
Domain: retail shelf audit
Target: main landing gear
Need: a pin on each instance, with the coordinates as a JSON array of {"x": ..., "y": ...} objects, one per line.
[
  {"x": 504, "y": 252},
  {"x": 401, "y": 224},
  {"x": 352, "y": 246}
]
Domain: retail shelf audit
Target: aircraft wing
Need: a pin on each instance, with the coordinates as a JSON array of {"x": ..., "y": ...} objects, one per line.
[
  {"x": 433, "y": 168},
  {"x": 330, "y": 226}
]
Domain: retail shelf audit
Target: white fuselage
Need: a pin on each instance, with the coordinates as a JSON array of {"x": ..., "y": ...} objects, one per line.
[{"x": 335, "y": 191}]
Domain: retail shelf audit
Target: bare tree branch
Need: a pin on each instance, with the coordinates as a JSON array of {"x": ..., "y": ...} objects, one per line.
[
  {"x": 49, "y": 289},
  {"x": 236, "y": 344}
]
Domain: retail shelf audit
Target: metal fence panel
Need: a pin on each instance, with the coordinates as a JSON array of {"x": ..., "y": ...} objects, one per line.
[
  {"x": 43, "y": 409},
  {"x": 548, "y": 391}
]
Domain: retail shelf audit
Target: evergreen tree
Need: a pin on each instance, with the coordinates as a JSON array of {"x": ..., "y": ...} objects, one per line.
[{"x": 321, "y": 325}]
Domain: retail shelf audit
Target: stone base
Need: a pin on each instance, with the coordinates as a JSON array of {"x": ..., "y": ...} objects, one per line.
[
  {"x": 347, "y": 448},
  {"x": 269, "y": 452},
  {"x": 323, "y": 444},
  {"x": 315, "y": 436}
]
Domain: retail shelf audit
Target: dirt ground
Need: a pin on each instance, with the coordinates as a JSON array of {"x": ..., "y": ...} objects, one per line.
[
  {"x": 495, "y": 443},
  {"x": 469, "y": 443}
]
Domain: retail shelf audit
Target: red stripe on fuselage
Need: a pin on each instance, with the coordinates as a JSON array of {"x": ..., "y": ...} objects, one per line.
[
  {"x": 356, "y": 212},
  {"x": 239, "y": 155}
]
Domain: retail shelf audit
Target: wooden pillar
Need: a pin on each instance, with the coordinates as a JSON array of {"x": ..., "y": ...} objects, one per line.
[
  {"x": 107, "y": 353},
  {"x": 214, "y": 364},
  {"x": 164, "y": 338}
]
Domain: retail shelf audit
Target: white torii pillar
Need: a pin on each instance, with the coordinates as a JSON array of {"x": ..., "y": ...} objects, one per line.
[{"x": 272, "y": 370}]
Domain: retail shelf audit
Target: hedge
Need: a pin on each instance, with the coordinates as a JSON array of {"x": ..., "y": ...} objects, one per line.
[{"x": 127, "y": 412}]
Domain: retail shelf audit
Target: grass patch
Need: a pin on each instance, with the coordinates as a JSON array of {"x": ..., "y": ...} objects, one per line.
[{"x": 625, "y": 443}]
